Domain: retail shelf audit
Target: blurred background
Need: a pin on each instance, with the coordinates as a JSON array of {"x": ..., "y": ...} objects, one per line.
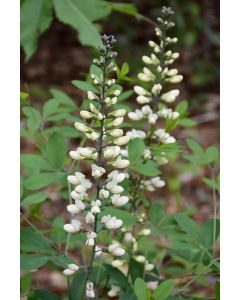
[{"x": 59, "y": 57}]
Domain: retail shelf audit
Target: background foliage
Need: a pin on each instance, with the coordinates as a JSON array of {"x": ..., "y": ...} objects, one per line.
[{"x": 58, "y": 40}]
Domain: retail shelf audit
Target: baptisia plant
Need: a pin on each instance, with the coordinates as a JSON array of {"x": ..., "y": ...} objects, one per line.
[
  {"x": 155, "y": 95},
  {"x": 91, "y": 195}
]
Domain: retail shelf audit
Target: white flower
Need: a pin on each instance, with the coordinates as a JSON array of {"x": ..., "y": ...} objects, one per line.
[
  {"x": 87, "y": 152},
  {"x": 128, "y": 237},
  {"x": 147, "y": 60},
  {"x": 175, "y": 55},
  {"x": 146, "y": 110},
  {"x": 116, "y": 176},
  {"x": 152, "y": 118},
  {"x": 77, "y": 207},
  {"x": 72, "y": 268},
  {"x": 157, "y": 182},
  {"x": 152, "y": 285},
  {"x": 98, "y": 251},
  {"x": 118, "y": 200},
  {"x": 111, "y": 222},
  {"x": 117, "y": 263},
  {"x": 114, "y": 291},
  {"x": 143, "y": 99},
  {"x": 78, "y": 196},
  {"x": 143, "y": 77},
  {"x": 97, "y": 171},
  {"x": 141, "y": 91},
  {"x": 124, "y": 153},
  {"x": 111, "y": 152},
  {"x": 148, "y": 73},
  {"x": 118, "y": 113},
  {"x": 146, "y": 154},
  {"x": 75, "y": 155},
  {"x": 164, "y": 137},
  {"x": 73, "y": 227},
  {"x": 89, "y": 290},
  {"x": 76, "y": 179},
  {"x": 172, "y": 72},
  {"x": 168, "y": 113},
  {"x": 82, "y": 127},
  {"x": 156, "y": 89},
  {"x": 136, "y": 134},
  {"x": 91, "y": 95},
  {"x": 170, "y": 96},
  {"x": 90, "y": 218},
  {"x": 116, "y": 132},
  {"x": 145, "y": 232},
  {"x": 140, "y": 258},
  {"x": 117, "y": 121},
  {"x": 149, "y": 267},
  {"x": 93, "y": 136},
  {"x": 114, "y": 188},
  {"x": 175, "y": 79},
  {"x": 91, "y": 235},
  {"x": 103, "y": 194},
  {"x": 95, "y": 206},
  {"x": 116, "y": 250},
  {"x": 136, "y": 116},
  {"x": 116, "y": 93},
  {"x": 122, "y": 140},
  {"x": 121, "y": 163},
  {"x": 86, "y": 114}
]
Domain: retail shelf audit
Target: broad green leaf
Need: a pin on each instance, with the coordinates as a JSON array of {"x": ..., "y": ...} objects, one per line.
[
  {"x": 125, "y": 8},
  {"x": 26, "y": 281},
  {"x": 195, "y": 147},
  {"x": 128, "y": 296},
  {"x": 156, "y": 213},
  {"x": 34, "y": 161},
  {"x": 63, "y": 261},
  {"x": 136, "y": 269},
  {"x": 63, "y": 98},
  {"x": 187, "y": 122},
  {"x": 46, "y": 295},
  {"x": 117, "y": 276},
  {"x": 50, "y": 107},
  {"x": 80, "y": 14},
  {"x": 188, "y": 225},
  {"x": 212, "y": 183},
  {"x": 69, "y": 131},
  {"x": 207, "y": 232},
  {"x": 57, "y": 228},
  {"x": 77, "y": 288},
  {"x": 33, "y": 261},
  {"x": 36, "y": 17},
  {"x": 147, "y": 169},
  {"x": 163, "y": 290},
  {"x": 84, "y": 86},
  {"x": 33, "y": 199},
  {"x": 135, "y": 150},
  {"x": 33, "y": 240},
  {"x": 124, "y": 69},
  {"x": 56, "y": 150},
  {"x": 182, "y": 107},
  {"x": 211, "y": 154},
  {"x": 125, "y": 95},
  {"x": 194, "y": 159},
  {"x": 140, "y": 289},
  {"x": 34, "y": 119},
  {"x": 24, "y": 96},
  {"x": 127, "y": 218},
  {"x": 41, "y": 180}
]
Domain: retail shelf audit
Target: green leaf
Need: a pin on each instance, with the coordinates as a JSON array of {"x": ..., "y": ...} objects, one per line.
[
  {"x": 127, "y": 218},
  {"x": 212, "y": 184},
  {"x": 33, "y": 199},
  {"x": 33, "y": 240},
  {"x": 50, "y": 107},
  {"x": 125, "y": 95},
  {"x": 140, "y": 289},
  {"x": 147, "y": 169},
  {"x": 136, "y": 269},
  {"x": 77, "y": 288},
  {"x": 117, "y": 276},
  {"x": 125, "y": 8},
  {"x": 135, "y": 150},
  {"x": 124, "y": 69},
  {"x": 188, "y": 225},
  {"x": 26, "y": 281},
  {"x": 46, "y": 295},
  {"x": 80, "y": 14},
  {"x": 63, "y": 98},
  {"x": 41, "y": 180},
  {"x": 34, "y": 161},
  {"x": 207, "y": 232},
  {"x": 195, "y": 147},
  {"x": 33, "y": 261},
  {"x": 187, "y": 122},
  {"x": 163, "y": 290},
  {"x": 156, "y": 212},
  {"x": 36, "y": 17},
  {"x": 63, "y": 261},
  {"x": 84, "y": 86},
  {"x": 56, "y": 150},
  {"x": 34, "y": 118},
  {"x": 211, "y": 154},
  {"x": 182, "y": 107}
]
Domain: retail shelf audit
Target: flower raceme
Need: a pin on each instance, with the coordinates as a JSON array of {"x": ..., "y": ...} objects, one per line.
[{"x": 105, "y": 159}]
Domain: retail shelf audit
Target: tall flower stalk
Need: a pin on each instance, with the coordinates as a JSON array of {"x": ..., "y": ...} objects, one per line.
[
  {"x": 155, "y": 96},
  {"x": 92, "y": 195}
]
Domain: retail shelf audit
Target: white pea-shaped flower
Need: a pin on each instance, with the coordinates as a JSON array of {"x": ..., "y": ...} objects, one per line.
[
  {"x": 118, "y": 200},
  {"x": 122, "y": 140}
]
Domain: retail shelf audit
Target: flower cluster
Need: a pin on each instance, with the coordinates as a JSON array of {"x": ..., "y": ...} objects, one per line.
[{"x": 104, "y": 155}]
